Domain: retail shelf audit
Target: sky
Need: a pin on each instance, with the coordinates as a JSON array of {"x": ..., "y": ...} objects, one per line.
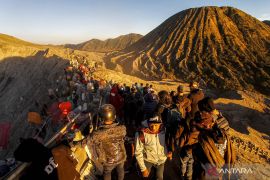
[{"x": 76, "y": 21}]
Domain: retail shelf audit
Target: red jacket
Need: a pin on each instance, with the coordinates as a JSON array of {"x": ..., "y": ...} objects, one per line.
[{"x": 117, "y": 101}]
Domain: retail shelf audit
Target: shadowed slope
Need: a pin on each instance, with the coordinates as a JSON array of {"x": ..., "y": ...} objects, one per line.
[{"x": 24, "y": 82}]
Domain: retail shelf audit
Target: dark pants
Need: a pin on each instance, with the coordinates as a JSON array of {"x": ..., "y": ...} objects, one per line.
[
  {"x": 107, "y": 174},
  {"x": 159, "y": 169}
]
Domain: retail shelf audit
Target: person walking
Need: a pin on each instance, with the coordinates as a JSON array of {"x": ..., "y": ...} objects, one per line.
[
  {"x": 150, "y": 148},
  {"x": 109, "y": 143}
]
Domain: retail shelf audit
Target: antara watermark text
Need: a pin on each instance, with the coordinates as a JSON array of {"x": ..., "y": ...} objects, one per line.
[{"x": 214, "y": 171}]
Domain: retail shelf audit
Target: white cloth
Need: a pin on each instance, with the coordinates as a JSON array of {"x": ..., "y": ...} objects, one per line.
[
  {"x": 221, "y": 148},
  {"x": 153, "y": 150}
]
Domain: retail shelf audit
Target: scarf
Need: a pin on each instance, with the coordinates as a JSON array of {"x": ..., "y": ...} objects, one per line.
[{"x": 211, "y": 151}]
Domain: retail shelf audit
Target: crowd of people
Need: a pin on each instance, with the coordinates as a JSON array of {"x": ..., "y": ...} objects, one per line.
[
  {"x": 166, "y": 126},
  {"x": 187, "y": 125}
]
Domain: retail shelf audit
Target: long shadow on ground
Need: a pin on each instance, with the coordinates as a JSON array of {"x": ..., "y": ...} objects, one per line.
[{"x": 240, "y": 118}]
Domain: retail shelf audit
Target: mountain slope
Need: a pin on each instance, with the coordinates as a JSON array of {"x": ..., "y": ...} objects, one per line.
[
  {"x": 26, "y": 76},
  {"x": 6, "y": 39},
  {"x": 12, "y": 46},
  {"x": 267, "y": 22},
  {"x": 96, "y": 45},
  {"x": 27, "y": 71},
  {"x": 225, "y": 46}
]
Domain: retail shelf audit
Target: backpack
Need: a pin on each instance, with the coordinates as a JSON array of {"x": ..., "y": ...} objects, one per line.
[
  {"x": 141, "y": 135},
  {"x": 173, "y": 118}
]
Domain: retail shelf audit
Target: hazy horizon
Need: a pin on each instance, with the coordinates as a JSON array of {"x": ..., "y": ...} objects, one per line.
[{"x": 71, "y": 22}]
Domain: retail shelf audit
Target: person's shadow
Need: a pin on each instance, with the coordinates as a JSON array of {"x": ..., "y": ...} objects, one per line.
[{"x": 241, "y": 118}]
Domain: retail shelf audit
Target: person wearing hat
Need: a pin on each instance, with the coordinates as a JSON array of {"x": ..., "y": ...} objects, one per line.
[
  {"x": 193, "y": 85},
  {"x": 195, "y": 96},
  {"x": 207, "y": 105},
  {"x": 150, "y": 148},
  {"x": 202, "y": 121},
  {"x": 214, "y": 146},
  {"x": 182, "y": 102},
  {"x": 109, "y": 143}
]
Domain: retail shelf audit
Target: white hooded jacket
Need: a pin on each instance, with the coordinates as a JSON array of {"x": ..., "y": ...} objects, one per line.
[{"x": 152, "y": 150}]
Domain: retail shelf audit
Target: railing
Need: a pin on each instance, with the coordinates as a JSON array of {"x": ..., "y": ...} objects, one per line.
[
  {"x": 14, "y": 174},
  {"x": 17, "y": 172}
]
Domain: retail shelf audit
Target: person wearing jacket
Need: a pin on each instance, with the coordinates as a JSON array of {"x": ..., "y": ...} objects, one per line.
[
  {"x": 109, "y": 143},
  {"x": 149, "y": 106},
  {"x": 207, "y": 105},
  {"x": 189, "y": 141},
  {"x": 130, "y": 107},
  {"x": 182, "y": 102},
  {"x": 117, "y": 100},
  {"x": 165, "y": 101},
  {"x": 66, "y": 163},
  {"x": 214, "y": 149},
  {"x": 43, "y": 165},
  {"x": 150, "y": 148},
  {"x": 195, "y": 96}
]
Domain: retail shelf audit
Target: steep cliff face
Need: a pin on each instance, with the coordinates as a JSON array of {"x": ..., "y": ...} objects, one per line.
[
  {"x": 225, "y": 46},
  {"x": 108, "y": 45},
  {"x": 24, "y": 81},
  {"x": 27, "y": 71}
]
